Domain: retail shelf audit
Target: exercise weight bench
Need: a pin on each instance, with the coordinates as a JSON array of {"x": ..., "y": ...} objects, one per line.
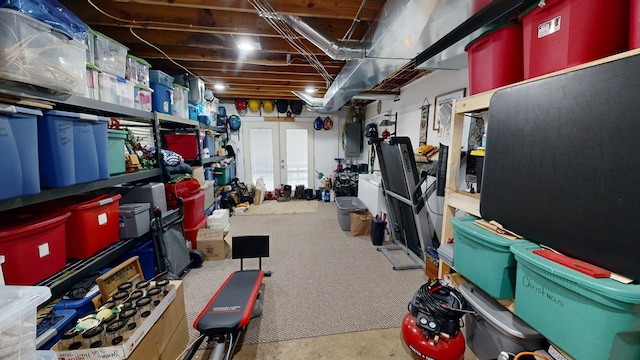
[{"x": 235, "y": 303}]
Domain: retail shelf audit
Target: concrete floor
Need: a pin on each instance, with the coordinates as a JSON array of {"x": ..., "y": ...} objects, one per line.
[{"x": 373, "y": 344}]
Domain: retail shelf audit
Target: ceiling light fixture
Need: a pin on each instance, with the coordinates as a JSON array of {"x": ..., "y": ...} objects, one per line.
[
  {"x": 310, "y": 90},
  {"x": 220, "y": 86},
  {"x": 248, "y": 43}
]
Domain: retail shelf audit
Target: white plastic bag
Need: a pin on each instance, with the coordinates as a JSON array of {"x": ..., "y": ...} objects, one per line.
[{"x": 260, "y": 185}]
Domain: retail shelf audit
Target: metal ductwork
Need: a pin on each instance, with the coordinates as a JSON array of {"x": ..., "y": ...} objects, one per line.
[
  {"x": 334, "y": 48},
  {"x": 403, "y": 29}
]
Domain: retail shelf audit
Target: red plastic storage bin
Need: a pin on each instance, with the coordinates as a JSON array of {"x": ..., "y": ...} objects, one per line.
[
  {"x": 191, "y": 234},
  {"x": 565, "y": 33},
  {"x": 33, "y": 247},
  {"x": 495, "y": 58},
  {"x": 185, "y": 144},
  {"x": 634, "y": 25},
  {"x": 93, "y": 225},
  {"x": 193, "y": 208}
]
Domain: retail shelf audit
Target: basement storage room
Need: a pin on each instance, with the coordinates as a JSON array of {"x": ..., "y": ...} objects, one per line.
[{"x": 280, "y": 179}]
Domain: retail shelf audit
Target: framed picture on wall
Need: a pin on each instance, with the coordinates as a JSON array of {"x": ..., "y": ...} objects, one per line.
[{"x": 444, "y": 109}]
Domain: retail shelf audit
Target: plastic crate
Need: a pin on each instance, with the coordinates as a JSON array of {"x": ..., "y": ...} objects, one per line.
[
  {"x": 116, "y": 151},
  {"x": 59, "y": 64},
  {"x": 19, "y": 147},
  {"x": 18, "y": 305},
  {"x": 191, "y": 234},
  {"x": 142, "y": 97},
  {"x": 568, "y": 307},
  {"x": 33, "y": 246},
  {"x": 90, "y": 148},
  {"x": 347, "y": 205},
  {"x": 484, "y": 257},
  {"x": 561, "y": 33},
  {"x": 137, "y": 70},
  {"x": 93, "y": 87},
  {"x": 56, "y": 148},
  {"x": 495, "y": 58},
  {"x": 110, "y": 55},
  {"x": 116, "y": 90},
  {"x": 135, "y": 220},
  {"x": 162, "y": 98},
  {"x": 161, "y": 77},
  {"x": 193, "y": 208},
  {"x": 186, "y": 144},
  {"x": 180, "y": 106}
]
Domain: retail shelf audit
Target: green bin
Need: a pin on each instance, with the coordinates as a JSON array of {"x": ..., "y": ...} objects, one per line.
[
  {"x": 484, "y": 258},
  {"x": 116, "y": 152},
  {"x": 222, "y": 175},
  {"x": 588, "y": 318}
]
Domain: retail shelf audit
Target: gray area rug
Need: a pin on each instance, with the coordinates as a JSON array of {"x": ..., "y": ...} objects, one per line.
[{"x": 324, "y": 280}]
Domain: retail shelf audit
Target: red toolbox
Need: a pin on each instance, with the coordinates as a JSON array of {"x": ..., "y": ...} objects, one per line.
[
  {"x": 495, "y": 58},
  {"x": 565, "y": 33},
  {"x": 193, "y": 208},
  {"x": 33, "y": 247}
]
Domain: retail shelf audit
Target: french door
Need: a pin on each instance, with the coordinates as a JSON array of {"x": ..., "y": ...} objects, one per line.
[{"x": 279, "y": 152}]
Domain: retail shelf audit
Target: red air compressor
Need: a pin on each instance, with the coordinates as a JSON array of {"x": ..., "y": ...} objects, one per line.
[{"x": 431, "y": 329}]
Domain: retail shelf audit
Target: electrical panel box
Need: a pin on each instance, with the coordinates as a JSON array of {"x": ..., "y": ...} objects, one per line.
[{"x": 353, "y": 140}]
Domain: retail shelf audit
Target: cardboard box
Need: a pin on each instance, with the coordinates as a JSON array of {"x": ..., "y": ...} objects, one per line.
[
  {"x": 215, "y": 244},
  {"x": 257, "y": 196},
  {"x": 198, "y": 174},
  {"x": 165, "y": 326}
]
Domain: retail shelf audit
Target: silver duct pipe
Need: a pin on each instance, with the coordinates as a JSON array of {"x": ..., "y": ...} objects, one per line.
[
  {"x": 403, "y": 29},
  {"x": 334, "y": 48}
]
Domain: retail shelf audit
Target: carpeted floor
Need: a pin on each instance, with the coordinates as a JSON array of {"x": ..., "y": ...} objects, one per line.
[
  {"x": 273, "y": 207},
  {"x": 324, "y": 280}
]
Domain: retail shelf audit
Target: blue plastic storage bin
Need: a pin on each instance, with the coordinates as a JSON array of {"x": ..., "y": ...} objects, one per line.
[
  {"x": 161, "y": 97},
  {"x": 56, "y": 148},
  {"x": 146, "y": 257},
  {"x": 193, "y": 111},
  {"x": 19, "y": 149},
  {"x": 102, "y": 145},
  {"x": 49, "y": 334},
  {"x": 90, "y": 148},
  {"x": 161, "y": 77}
]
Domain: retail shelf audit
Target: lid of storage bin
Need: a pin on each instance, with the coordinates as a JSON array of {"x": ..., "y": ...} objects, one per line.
[
  {"x": 467, "y": 226},
  {"x": 23, "y": 224},
  {"x": 46, "y": 355},
  {"x": 495, "y": 314},
  {"x": 93, "y": 118},
  {"x": 98, "y": 33},
  {"x": 12, "y": 109},
  {"x": 68, "y": 114},
  {"x": 83, "y": 202},
  {"x": 528, "y": 10},
  {"x": 350, "y": 203},
  {"x": 136, "y": 208},
  {"x": 141, "y": 61},
  {"x": 491, "y": 31},
  {"x": 16, "y": 301},
  {"x": 180, "y": 86},
  {"x": 574, "y": 280},
  {"x": 144, "y": 87},
  {"x": 92, "y": 66},
  {"x": 113, "y": 133}
]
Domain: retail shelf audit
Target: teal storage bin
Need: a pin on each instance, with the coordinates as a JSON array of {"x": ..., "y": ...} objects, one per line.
[
  {"x": 19, "y": 149},
  {"x": 484, "y": 258},
  {"x": 588, "y": 318},
  {"x": 116, "y": 151},
  {"x": 222, "y": 175}
]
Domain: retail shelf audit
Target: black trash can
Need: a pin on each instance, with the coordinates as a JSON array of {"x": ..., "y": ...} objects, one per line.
[{"x": 378, "y": 227}]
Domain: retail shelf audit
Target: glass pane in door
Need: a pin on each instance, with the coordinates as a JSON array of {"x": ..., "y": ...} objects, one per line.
[
  {"x": 297, "y": 149},
  {"x": 262, "y": 162}
]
